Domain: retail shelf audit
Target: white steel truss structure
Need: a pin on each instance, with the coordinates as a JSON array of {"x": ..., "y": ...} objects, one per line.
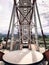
[{"x": 22, "y": 19}]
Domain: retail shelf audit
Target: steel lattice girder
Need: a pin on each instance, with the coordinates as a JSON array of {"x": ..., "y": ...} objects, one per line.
[{"x": 24, "y": 17}]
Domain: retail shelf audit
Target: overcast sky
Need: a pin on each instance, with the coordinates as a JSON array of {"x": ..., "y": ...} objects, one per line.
[{"x": 6, "y": 9}]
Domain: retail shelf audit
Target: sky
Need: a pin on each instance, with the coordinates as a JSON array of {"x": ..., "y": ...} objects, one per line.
[{"x": 6, "y": 10}]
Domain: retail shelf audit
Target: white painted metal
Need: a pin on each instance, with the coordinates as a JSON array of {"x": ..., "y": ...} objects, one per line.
[
  {"x": 36, "y": 33},
  {"x": 12, "y": 32},
  {"x": 23, "y": 56},
  {"x": 25, "y": 25}
]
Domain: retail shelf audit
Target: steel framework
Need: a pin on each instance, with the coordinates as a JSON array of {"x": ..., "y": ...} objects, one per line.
[{"x": 24, "y": 11}]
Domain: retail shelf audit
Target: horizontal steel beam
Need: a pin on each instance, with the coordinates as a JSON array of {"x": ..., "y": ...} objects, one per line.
[{"x": 24, "y": 6}]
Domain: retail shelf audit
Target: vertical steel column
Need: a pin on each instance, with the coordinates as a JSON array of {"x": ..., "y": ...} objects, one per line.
[
  {"x": 40, "y": 25},
  {"x": 9, "y": 26},
  {"x": 20, "y": 37},
  {"x": 29, "y": 43},
  {"x": 12, "y": 32},
  {"x": 36, "y": 33}
]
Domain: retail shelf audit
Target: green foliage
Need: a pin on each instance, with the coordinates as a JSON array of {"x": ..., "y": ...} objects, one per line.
[
  {"x": 39, "y": 36},
  {"x": 45, "y": 36},
  {"x": 0, "y": 40},
  {"x": 4, "y": 38}
]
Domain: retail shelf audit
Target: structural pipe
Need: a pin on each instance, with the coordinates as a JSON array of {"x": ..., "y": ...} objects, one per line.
[
  {"x": 12, "y": 32},
  {"x": 36, "y": 33}
]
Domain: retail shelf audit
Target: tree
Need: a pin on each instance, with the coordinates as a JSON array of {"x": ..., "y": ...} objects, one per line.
[
  {"x": 0, "y": 40},
  {"x": 4, "y": 38},
  {"x": 45, "y": 36}
]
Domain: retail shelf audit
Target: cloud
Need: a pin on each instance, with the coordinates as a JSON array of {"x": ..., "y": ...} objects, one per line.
[
  {"x": 1, "y": 8},
  {"x": 6, "y": 10},
  {"x": 44, "y": 4},
  {"x": 5, "y": 14}
]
